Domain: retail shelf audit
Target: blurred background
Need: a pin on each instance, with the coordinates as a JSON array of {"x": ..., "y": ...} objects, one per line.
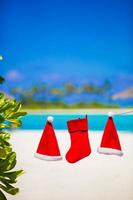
[{"x": 67, "y": 53}]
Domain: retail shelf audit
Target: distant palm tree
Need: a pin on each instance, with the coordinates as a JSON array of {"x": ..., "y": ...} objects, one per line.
[
  {"x": 1, "y": 79},
  {"x": 106, "y": 86},
  {"x": 37, "y": 89},
  {"x": 106, "y": 90},
  {"x": 17, "y": 91},
  {"x": 89, "y": 88},
  {"x": 103, "y": 90},
  {"x": 69, "y": 88},
  {"x": 56, "y": 91}
]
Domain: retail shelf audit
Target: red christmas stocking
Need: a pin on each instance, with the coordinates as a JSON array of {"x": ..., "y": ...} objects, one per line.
[{"x": 80, "y": 145}]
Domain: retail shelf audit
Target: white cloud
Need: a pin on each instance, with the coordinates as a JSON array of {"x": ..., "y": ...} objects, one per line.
[
  {"x": 51, "y": 77},
  {"x": 14, "y": 75},
  {"x": 1, "y": 57}
]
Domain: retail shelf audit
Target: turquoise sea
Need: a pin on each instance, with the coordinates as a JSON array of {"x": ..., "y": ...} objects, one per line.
[{"x": 96, "y": 121}]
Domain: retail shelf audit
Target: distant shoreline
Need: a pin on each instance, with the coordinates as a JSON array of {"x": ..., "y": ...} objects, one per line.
[{"x": 78, "y": 111}]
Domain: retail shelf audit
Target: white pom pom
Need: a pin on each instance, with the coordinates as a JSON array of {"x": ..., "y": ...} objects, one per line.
[
  {"x": 50, "y": 119},
  {"x": 110, "y": 114}
]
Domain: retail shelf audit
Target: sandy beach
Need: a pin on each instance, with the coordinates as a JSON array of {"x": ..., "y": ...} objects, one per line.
[
  {"x": 78, "y": 111},
  {"x": 96, "y": 177}
]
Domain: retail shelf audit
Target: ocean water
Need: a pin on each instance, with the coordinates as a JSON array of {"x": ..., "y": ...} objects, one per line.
[{"x": 96, "y": 121}]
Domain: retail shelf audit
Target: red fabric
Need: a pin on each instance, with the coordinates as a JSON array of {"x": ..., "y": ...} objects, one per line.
[
  {"x": 80, "y": 145},
  {"x": 110, "y": 137},
  {"x": 48, "y": 144}
]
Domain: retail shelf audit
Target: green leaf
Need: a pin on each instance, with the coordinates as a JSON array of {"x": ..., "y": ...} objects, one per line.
[
  {"x": 5, "y": 107},
  {"x": 16, "y": 115},
  {"x": 4, "y": 135},
  {"x": 13, "y": 175},
  {"x": 8, "y": 149},
  {"x": 10, "y": 181},
  {"x": 9, "y": 163},
  {"x": 15, "y": 122},
  {"x": 2, "y": 196},
  {"x": 1, "y": 95},
  {"x": 4, "y": 143},
  {"x": 17, "y": 107},
  {"x": 3, "y": 153},
  {"x": 1, "y": 118},
  {"x": 2, "y": 102},
  {"x": 9, "y": 188},
  {"x": 4, "y": 125}
]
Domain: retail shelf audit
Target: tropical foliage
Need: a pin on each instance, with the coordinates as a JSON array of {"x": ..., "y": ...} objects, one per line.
[{"x": 10, "y": 114}]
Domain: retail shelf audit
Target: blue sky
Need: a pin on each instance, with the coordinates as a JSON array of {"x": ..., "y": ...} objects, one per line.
[{"x": 55, "y": 40}]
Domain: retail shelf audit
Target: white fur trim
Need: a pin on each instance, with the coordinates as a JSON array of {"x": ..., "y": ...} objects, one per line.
[
  {"x": 110, "y": 114},
  {"x": 110, "y": 151},
  {"x": 48, "y": 158},
  {"x": 50, "y": 119}
]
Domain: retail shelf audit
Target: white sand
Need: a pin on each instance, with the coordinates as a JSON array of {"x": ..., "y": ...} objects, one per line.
[
  {"x": 97, "y": 177},
  {"x": 78, "y": 111}
]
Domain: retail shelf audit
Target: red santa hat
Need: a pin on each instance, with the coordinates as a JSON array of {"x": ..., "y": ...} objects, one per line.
[
  {"x": 48, "y": 148},
  {"x": 110, "y": 143}
]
